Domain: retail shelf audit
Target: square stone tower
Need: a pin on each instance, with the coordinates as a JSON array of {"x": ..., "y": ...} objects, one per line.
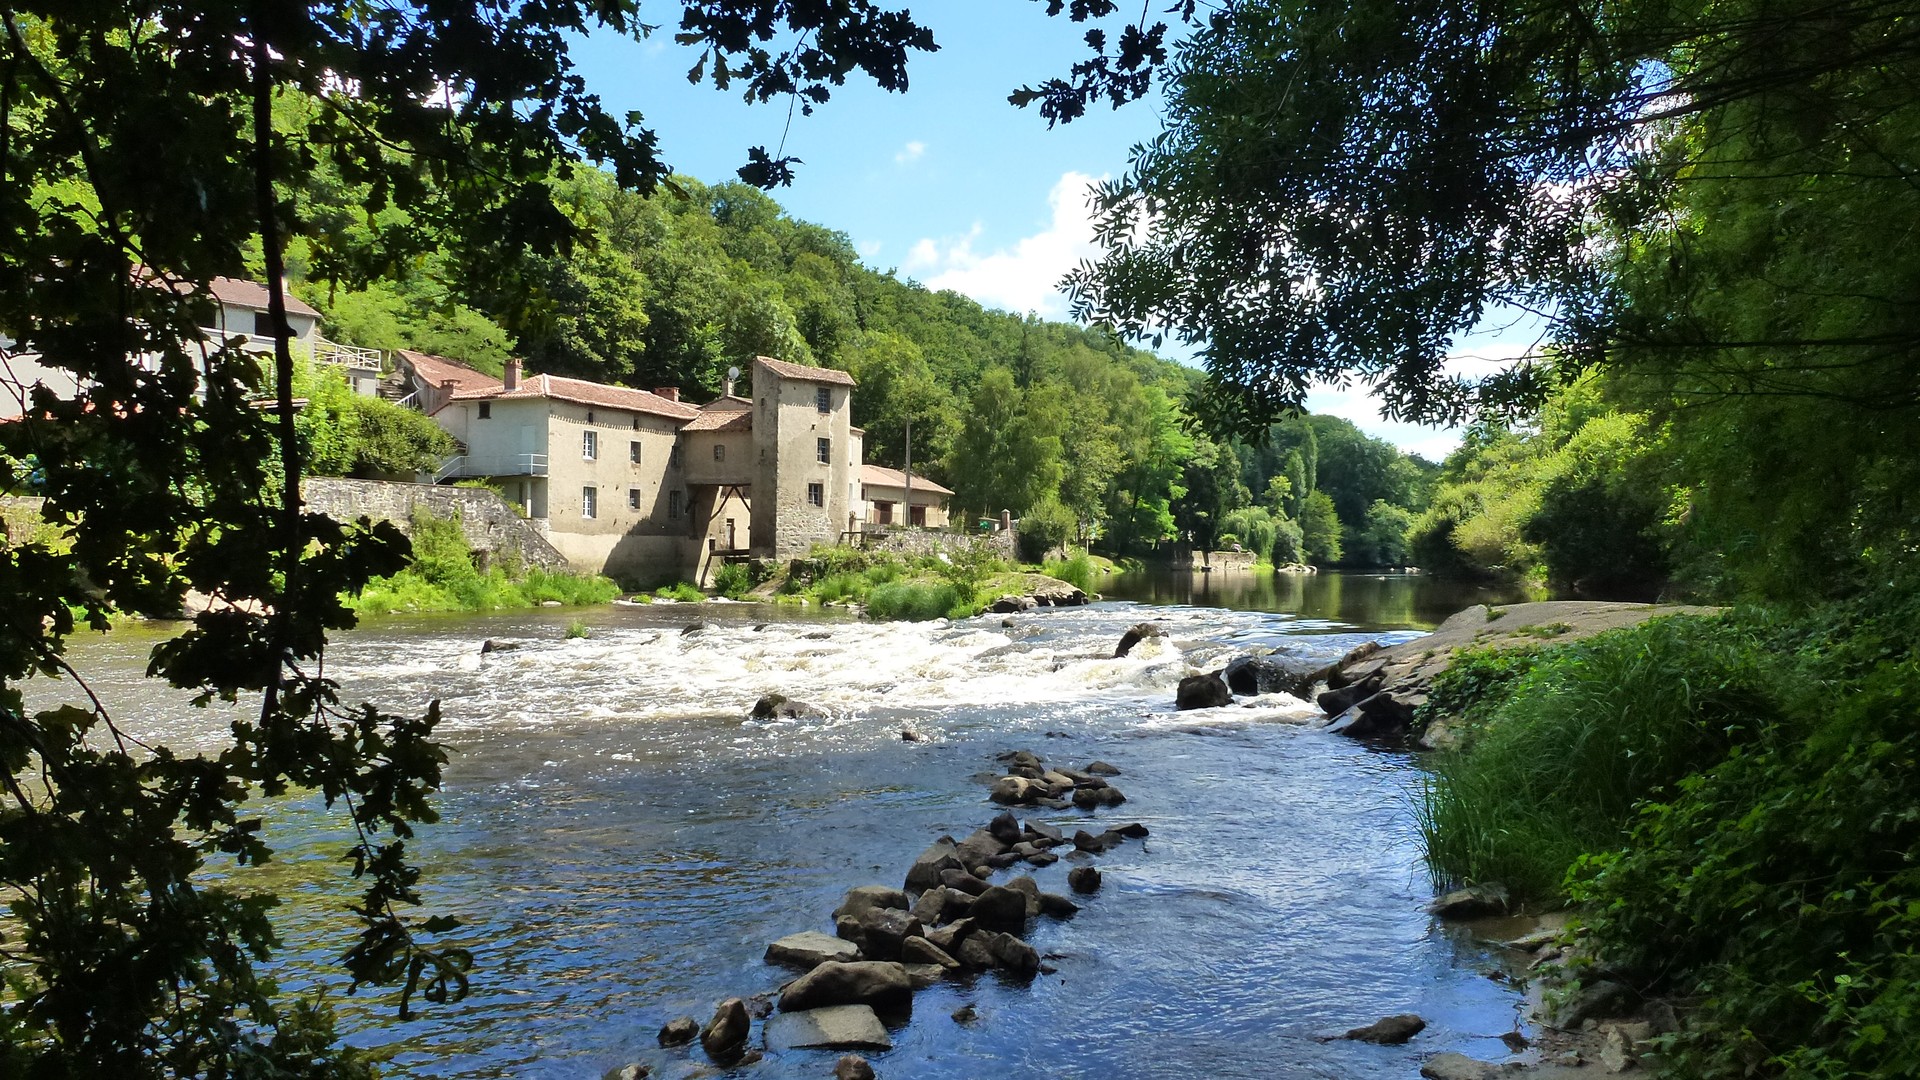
[{"x": 802, "y": 475}]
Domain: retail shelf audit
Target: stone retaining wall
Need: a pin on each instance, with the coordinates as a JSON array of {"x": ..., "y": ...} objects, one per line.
[
  {"x": 935, "y": 541},
  {"x": 491, "y": 526}
]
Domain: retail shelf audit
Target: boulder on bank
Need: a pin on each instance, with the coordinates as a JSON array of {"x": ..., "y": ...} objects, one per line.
[
  {"x": 1207, "y": 691},
  {"x": 1473, "y": 902},
  {"x": 809, "y": 949},
  {"x": 1334, "y": 702},
  {"x": 879, "y": 983},
  {"x": 781, "y": 707},
  {"x": 830, "y": 1027},
  {"x": 1382, "y": 716},
  {"x": 1139, "y": 633}
]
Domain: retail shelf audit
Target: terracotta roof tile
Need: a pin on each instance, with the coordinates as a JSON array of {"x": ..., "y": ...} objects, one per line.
[
  {"x": 880, "y": 474},
  {"x": 801, "y": 371},
  {"x": 249, "y": 294},
  {"x": 471, "y": 385},
  {"x": 723, "y": 414}
]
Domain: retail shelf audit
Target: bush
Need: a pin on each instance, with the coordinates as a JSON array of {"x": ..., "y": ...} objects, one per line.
[
  {"x": 576, "y": 629},
  {"x": 1475, "y": 683},
  {"x": 1044, "y": 528},
  {"x": 1560, "y": 767},
  {"x": 682, "y": 591},
  {"x": 733, "y": 580},
  {"x": 967, "y": 568},
  {"x": 917, "y": 601},
  {"x": 1076, "y": 570}
]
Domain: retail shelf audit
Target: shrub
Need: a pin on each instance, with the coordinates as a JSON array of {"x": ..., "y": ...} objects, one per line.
[
  {"x": 733, "y": 580},
  {"x": 1076, "y": 570},
  {"x": 967, "y": 568},
  {"x": 576, "y": 629},
  {"x": 916, "y": 601},
  {"x": 1043, "y": 528},
  {"x": 681, "y": 591},
  {"x": 1475, "y": 683}
]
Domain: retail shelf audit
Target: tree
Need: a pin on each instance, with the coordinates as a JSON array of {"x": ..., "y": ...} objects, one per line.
[
  {"x": 1008, "y": 455},
  {"x": 139, "y": 158},
  {"x": 1320, "y": 530},
  {"x": 1340, "y": 190}
]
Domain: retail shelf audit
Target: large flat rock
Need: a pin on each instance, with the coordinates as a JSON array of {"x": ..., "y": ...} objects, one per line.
[
  {"x": 833, "y": 1027},
  {"x": 811, "y": 948}
]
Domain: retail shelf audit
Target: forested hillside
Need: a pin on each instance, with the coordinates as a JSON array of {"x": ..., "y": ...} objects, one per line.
[{"x": 1085, "y": 438}]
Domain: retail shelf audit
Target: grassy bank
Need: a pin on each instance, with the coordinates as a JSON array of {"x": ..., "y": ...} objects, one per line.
[
  {"x": 1733, "y": 806},
  {"x": 443, "y": 578},
  {"x": 891, "y": 585}
]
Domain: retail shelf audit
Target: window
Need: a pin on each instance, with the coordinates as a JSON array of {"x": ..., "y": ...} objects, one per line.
[
  {"x": 823, "y": 449},
  {"x": 633, "y": 498},
  {"x": 673, "y": 504},
  {"x": 817, "y": 494},
  {"x": 633, "y": 451},
  {"x": 263, "y": 324},
  {"x": 486, "y": 410},
  {"x": 636, "y": 426},
  {"x": 823, "y": 399},
  {"x": 719, "y": 452},
  {"x": 589, "y": 445},
  {"x": 589, "y": 416},
  {"x": 589, "y": 502}
]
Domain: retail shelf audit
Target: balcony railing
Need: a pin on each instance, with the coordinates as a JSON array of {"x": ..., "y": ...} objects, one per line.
[{"x": 491, "y": 465}]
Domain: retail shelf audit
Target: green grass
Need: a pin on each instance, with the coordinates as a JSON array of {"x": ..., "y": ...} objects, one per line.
[
  {"x": 917, "y": 601},
  {"x": 733, "y": 580},
  {"x": 577, "y": 629},
  {"x": 443, "y": 577},
  {"x": 682, "y": 591},
  {"x": 1597, "y": 727},
  {"x": 1077, "y": 571}
]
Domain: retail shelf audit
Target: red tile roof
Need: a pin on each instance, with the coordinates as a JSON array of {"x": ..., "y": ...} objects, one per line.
[
  {"x": 801, "y": 371},
  {"x": 471, "y": 385},
  {"x": 248, "y": 294},
  {"x": 723, "y": 414},
  {"x": 885, "y": 477}
]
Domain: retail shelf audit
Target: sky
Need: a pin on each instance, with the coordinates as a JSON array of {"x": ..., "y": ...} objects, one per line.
[{"x": 947, "y": 184}]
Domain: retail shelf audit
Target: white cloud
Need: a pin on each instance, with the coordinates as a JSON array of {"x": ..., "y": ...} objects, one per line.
[
  {"x": 1025, "y": 276},
  {"x": 868, "y": 249},
  {"x": 910, "y": 153}
]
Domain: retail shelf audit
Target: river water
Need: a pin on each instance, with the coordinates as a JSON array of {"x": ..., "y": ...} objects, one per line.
[{"x": 621, "y": 843}]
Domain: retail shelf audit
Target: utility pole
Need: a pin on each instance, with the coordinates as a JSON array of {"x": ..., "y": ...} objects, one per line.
[{"x": 909, "y": 471}]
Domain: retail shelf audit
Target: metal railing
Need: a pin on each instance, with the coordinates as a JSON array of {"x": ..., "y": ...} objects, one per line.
[{"x": 491, "y": 465}]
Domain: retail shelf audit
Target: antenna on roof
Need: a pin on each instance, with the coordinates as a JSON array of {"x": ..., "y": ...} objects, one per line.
[{"x": 732, "y": 374}]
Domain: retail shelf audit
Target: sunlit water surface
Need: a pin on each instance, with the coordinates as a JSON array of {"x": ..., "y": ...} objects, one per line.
[{"x": 621, "y": 843}]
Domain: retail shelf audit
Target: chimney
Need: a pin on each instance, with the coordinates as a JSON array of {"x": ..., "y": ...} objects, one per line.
[
  {"x": 512, "y": 380},
  {"x": 671, "y": 393}
]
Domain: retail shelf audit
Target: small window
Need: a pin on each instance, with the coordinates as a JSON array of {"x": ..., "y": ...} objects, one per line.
[
  {"x": 817, "y": 494},
  {"x": 719, "y": 452},
  {"x": 823, "y": 449},
  {"x": 589, "y": 445},
  {"x": 633, "y": 498},
  {"x": 589, "y": 416},
  {"x": 263, "y": 324},
  {"x": 589, "y": 502},
  {"x": 823, "y": 399},
  {"x": 636, "y": 423},
  {"x": 673, "y": 504},
  {"x": 633, "y": 451},
  {"x": 486, "y": 410}
]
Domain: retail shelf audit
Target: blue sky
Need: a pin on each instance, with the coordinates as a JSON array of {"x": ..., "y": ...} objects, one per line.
[{"x": 948, "y": 183}]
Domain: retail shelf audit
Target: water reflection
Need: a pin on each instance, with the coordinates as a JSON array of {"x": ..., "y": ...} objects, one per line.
[{"x": 1370, "y": 601}]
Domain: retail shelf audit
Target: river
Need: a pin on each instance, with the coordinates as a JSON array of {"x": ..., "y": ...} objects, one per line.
[{"x": 621, "y": 844}]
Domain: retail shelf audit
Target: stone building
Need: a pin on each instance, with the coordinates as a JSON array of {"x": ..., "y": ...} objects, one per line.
[{"x": 643, "y": 486}]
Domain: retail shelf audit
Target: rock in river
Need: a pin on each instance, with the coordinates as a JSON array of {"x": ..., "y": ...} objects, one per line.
[
  {"x": 866, "y": 982},
  {"x": 682, "y": 1030},
  {"x": 782, "y": 707},
  {"x": 809, "y": 949},
  {"x": 1135, "y": 636},
  {"x": 925, "y": 872},
  {"x": 1000, "y": 908},
  {"x": 986, "y": 949},
  {"x": 852, "y": 1067},
  {"x": 1389, "y": 1030},
  {"x": 1472, "y": 902},
  {"x": 864, "y": 897},
  {"x": 725, "y": 1036},
  {"x": 1202, "y": 692},
  {"x": 831, "y": 1027},
  {"x": 1081, "y": 879}
]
